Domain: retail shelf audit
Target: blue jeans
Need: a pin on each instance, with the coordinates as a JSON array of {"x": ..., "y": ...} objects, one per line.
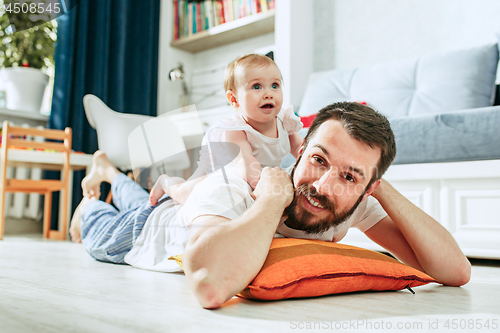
[{"x": 109, "y": 234}]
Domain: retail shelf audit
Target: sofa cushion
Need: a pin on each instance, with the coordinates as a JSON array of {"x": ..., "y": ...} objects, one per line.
[
  {"x": 430, "y": 84},
  {"x": 466, "y": 135},
  {"x": 456, "y": 81}
]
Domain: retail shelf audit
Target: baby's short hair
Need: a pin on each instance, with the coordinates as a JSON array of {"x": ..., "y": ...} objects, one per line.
[{"x": 248, "y": 60}]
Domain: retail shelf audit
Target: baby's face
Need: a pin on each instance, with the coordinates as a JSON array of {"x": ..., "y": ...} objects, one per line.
[{"x": 258, "y": 93}]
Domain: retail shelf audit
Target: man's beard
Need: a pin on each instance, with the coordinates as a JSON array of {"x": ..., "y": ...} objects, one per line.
[{"x": 301, "y": 220}]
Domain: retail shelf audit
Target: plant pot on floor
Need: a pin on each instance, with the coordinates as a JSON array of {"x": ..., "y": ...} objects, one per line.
[{"x": 25, "y": 88}]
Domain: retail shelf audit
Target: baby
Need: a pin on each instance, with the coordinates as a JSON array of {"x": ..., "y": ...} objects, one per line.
[{"x": 264, "y": 132}]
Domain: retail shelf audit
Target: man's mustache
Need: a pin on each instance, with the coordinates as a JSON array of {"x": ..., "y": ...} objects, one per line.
[{"x": 308, "y": 190}]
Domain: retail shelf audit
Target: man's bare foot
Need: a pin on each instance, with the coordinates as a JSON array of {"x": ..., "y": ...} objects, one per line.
[
  {"x": 102, "y": 171},
  {"x": 76, "y": 220}
]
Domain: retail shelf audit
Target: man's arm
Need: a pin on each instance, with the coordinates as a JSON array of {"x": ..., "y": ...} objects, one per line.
[
  {"x": 222, "y": 256},
  {"x": 417, "y": 239}
]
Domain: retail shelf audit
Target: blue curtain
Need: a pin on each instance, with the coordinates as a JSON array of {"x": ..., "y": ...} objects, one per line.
[{"x": 108, "y": 48}]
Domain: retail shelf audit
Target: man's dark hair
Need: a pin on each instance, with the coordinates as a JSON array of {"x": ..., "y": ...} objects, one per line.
[{"x": 363, "y": 124}]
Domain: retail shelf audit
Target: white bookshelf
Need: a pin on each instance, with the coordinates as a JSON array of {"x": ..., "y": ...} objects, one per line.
[{"x": 227, "y": 33}]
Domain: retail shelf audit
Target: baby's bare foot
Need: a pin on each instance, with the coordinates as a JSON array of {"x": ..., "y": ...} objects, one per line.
[{"x": 102, "y": 171}]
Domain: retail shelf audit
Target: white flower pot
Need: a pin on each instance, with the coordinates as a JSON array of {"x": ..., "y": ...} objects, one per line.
[{"x": 25, "y": 88}]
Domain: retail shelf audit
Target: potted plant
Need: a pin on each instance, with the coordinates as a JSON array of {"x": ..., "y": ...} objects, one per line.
[{"x": 25, "y": 56}]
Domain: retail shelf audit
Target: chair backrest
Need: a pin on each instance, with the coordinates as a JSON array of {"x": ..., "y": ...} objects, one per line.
[
  {"x": 157, "y": 145},
  {"x": 136, "y": 141},
  {"x": 15, "y": 137},
  {"x": 113, "y": 129}
]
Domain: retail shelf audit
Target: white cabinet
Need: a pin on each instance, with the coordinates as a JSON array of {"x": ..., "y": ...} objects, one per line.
[{"x": 463, "y": 196}]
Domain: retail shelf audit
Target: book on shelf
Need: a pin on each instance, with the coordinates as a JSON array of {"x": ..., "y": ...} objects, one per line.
[
  {"x": 210, "y": 16},
  {"x": 193, "y": 16},
  {"x": 263, "y": 5},
  {"x": 236, "y": 10},
  {"x": 248, "y": 7},
  {"x": 203, "y": 16},
  {"x": 225, "y": 11},
  {"x": 190, "y": 11},
  {"x": 176, "y": 20},
  {"x": 230, "y": 10},
  {"x": 198, "y": 17},
  {"x": 220, "y": 12},
  {"x": 241, "y": 11}
]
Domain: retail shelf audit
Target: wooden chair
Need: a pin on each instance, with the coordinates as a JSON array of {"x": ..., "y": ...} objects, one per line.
[{"x": 14, "y": 137}]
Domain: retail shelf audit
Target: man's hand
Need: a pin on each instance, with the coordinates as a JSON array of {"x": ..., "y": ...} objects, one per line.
[{"x": 275, "y": 183}]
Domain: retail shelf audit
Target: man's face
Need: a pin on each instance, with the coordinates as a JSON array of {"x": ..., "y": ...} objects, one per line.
[{"x": 331, "y": 177}]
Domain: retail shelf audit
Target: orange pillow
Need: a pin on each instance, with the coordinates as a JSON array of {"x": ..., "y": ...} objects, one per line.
[{"x": 304, "y": 268}]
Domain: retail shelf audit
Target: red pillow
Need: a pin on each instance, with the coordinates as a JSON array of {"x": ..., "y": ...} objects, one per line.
[{"x": 307, "y": 120}]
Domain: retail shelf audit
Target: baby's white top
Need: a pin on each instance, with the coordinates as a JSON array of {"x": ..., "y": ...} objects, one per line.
[{"x": 268, "y": 151}]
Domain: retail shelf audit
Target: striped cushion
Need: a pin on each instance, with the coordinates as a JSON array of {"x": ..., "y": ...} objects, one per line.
[{"x": 304, "y": 268}]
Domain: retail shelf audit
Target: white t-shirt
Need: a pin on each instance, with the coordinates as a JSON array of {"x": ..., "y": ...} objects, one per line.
[
  {"x": 222, "y": 193},
  {"x": 268, "y": 151},
  {"x": 161, "y": 237}
]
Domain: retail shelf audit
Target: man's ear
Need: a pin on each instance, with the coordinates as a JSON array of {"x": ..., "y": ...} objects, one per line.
[
  {"x": 371, "y": 189},
  {"x": 301, "y": 149},
  {"x": 231, "y": 97}
]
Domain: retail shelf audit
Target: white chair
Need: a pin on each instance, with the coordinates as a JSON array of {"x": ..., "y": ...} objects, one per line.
[{"x": 132, "y": 142}]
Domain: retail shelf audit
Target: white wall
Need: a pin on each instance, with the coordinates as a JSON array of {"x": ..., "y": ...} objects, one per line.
[
  {"x": 207, "y": 75},
  {"x": 351, "y": 33},
  {"x": 195, "y": 64},
  {"x": 294, "y": 43},
  {"x": 168, "y": 91}
]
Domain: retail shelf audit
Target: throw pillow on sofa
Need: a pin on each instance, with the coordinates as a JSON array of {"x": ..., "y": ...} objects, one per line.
[{"x": 430, "y": 84}]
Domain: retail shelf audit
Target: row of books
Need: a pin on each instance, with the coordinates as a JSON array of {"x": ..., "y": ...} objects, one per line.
[{"x": 192, "y": 16}]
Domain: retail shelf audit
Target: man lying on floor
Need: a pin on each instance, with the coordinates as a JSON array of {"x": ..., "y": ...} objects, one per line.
[{"x": 338, "y": 174}]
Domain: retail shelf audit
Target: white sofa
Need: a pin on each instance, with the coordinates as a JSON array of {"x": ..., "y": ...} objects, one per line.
[{"x": 447, "y": 135}]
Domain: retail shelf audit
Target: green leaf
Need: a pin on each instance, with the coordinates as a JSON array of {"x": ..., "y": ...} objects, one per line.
[{"x": 36, "y": 45}]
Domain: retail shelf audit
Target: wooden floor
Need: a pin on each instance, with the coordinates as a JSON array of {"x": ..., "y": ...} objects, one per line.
[{"x": 55, "y": 286}]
